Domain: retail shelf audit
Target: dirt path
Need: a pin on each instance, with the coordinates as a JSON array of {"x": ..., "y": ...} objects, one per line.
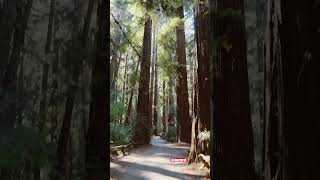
[{"x": 153, "y": 162}]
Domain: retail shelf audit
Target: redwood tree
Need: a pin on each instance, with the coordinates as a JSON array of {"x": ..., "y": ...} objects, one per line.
[
  {"x": 142, "y": 133},
  {"x": 232, "y": 123},
  {"x": 97, "y": 148},
  {"x": 183, "y": 117}
]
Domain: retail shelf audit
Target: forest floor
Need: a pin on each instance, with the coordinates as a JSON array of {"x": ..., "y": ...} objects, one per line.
[{"x": 153, "y": 162}]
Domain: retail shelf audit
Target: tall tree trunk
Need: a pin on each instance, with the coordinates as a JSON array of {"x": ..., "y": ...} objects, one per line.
[
  {"x": 50, "y": 27},
  {"x": 273, "y": 98},
  {"x": 10, "y": 79},
  {"x": 202, "y": 37},
  {"x": 299, "y": 42},
  {"x": 21, "y": 91},
  {"x": 183, "y": 116},
  {"x": 7, "y": 21},
  {"x": 155, "y": 100},
  {"x": 64, "y": 137},
  {"x": 133, "y": 84},
  {"x": 232, "y": 122},
  {"x": 194, "y": 149},
  {"x": 125, "y": 79},
  {"x": 43, "y": 102},
  {"x": 97, "y": 159},
  {"x": 153, "y": 43},
  {"x": 142, "y": 133},
  {"x": 164, "y": 124},
  {"x": 114, "y": 79}
]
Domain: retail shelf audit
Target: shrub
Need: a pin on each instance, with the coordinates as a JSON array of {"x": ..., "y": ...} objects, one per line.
[{"x": 120, "y": 133}]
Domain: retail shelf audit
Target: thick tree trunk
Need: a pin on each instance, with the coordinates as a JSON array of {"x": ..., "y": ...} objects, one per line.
[
  {"x": 97, "y": 159},
  {"x": 10, "y": 79},
  {"x": 142, "y": 133},
  {"x": 183, "y": 116},
  {"x": 7, "y": 21},
  {"x": 194, "y": 149},
  {"x": 274, "y": 155},
  {"x": 232, "y": 122},
  {"x": 203, "y": 55},
  {"x": 64, "y": 137},
  {"x": 299, "y": 39}
]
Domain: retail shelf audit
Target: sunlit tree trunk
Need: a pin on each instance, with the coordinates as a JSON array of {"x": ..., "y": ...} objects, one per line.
[
  {"x": 142, "y": 133},
  {"x": 183, "y": 117}
]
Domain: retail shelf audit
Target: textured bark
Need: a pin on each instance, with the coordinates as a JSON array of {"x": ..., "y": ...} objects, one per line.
[
  {"x": 50, "y": 27},
  {"x": 203, "y": 55},
  {"x": 164, "y": 107},
  {"x": 96, "y": 158},
  {"x": 64, "y": 138},
  {"x": 232, "y": 122},
  {"x": 10, "y": 79},
  {"x": 21, "y": 91},
  {"x": 8, "y": 19},
  {"x": 155, "y": 99},
  {"x": 142, "y": 133},
  {"x": 194, "y": 149},
  {"x": 275, "y": 144},
  {"x": 151, "y": 85},
  {"x": 43, "y": 102},
  {"x": 183, "y": 116},
  {"x": 299, "y": 38}
]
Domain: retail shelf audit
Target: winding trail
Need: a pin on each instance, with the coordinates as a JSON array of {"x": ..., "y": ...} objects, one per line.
[{"x": 153, "y": 162}]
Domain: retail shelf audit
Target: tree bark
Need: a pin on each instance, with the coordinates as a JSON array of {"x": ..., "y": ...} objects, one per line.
[
  {"x": 64, "y": 137},
  {"x": 164, "y": 130},
  {"x": 183, "y": 116},
  {"x": 8, "y": 19},
  {"x": 97, "y": 159},
  {"x": 232, "y": 123},
  {"x": 299, "y": 41},
  {"x": 10, "y": 78},
  {"x": 155, "y": 100},
  {"x": 142, "y": 133}
]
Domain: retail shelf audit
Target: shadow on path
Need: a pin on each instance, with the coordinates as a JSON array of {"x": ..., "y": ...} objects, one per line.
[{"x": 153, "y": 162}]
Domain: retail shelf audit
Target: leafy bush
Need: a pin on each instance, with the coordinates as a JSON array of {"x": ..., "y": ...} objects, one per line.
[
  {"x": 120, "y": 133},
  {"x": 118, "y": 109}
]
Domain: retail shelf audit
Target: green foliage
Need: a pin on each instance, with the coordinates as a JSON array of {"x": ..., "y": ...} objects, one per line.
[
  {"x": 120, "y": 133},
  {"x": 167, "y": 46},
  {"x": 24, "y": 144},
  {"x": 118, "y": 109}
]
